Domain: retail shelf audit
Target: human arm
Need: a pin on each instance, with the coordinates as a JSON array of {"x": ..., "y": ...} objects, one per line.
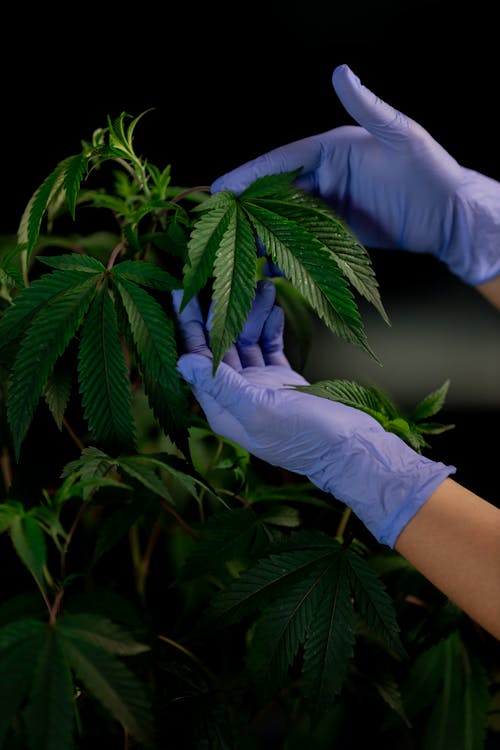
[
  {"x": 406, "y": 500},
  {"x": 454, "y": 541},
  {"x": 491, "y": 291},
  {"x": 394, "y": 185}
]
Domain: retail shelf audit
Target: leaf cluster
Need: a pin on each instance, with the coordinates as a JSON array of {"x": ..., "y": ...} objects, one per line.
[{"x": 163, "y": 581}]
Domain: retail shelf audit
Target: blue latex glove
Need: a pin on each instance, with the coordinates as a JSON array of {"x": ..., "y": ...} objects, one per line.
[
  {"x": 393, "y": 184},
  {"x": 341, "y": 450}
]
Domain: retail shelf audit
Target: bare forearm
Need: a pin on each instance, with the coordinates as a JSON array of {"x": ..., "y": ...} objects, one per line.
[
  {"x": 454, "y": 541},
  {"x": 491, "y": 291}
]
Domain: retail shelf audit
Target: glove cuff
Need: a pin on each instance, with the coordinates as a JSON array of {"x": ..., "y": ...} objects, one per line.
[
  {"x": 434, "y": 474},
  {"x": 473, "y": 249}
]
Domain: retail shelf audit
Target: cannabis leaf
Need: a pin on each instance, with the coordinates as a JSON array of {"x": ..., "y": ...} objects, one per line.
[
  {"x": 305, "y": 595},
  {"x": 449, "y": 683},
  {"x": 316, "y": 252},
  {"x": 41, "y": 664},
  {"x": 81, "y": 299},
  {"x": 377, "y": 403}
]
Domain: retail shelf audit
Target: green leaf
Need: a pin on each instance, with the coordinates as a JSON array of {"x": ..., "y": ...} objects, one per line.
[
  {"x": 112, "y": 684},
  {"x": 18, "y": 317},
  {"x": 101, "y": 632},
  {"x": 49, "y": 715},
  {"x": 373, "y": 602},
  {"x": 448, "y": 686},
  {"x": 329, "y": 645},
  {"x": 154, "y": 341},
  {"x": 277, "y": 185},
  {"x": 346, "y": 392},
  {"x": 205, "y": 240},
  {"x": 57, "y": 393},
  {"x": 226, "y": 535},
  {"x": 268, "y": 578},
  {"x": 20, "y": 643},
  {"x": 431, "y": 404},
  {"x": 146, "y": 274},
  {"x": 29, "y": 542},
  {"x": 322, "y": 223},
  {"x": 9, "y": 512},
  {"x": 139, "y": 468},
  {"x": 65, "y": 177},
  {"x": 46, "y": 339},
  {"x": 313, "y": 272},
  {"x": 103, "y": 376},
  {"x": 283, "y": 627},
  {"x": 234, "y": 285},
  {"x": 73, "y": 262}
]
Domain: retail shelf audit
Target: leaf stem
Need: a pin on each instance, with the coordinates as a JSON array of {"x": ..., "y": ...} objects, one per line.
[{"x": 343, "y": 522}]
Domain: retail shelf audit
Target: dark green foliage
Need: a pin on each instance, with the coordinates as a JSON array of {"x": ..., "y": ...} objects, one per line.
[{"x": 158, "y": 581}]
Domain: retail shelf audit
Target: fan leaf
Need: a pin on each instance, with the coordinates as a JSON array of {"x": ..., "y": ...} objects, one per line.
[
  {"x": 154, "y": 342},
  {"x": 352, "y": 258},
  {"x": 20, "y": 643},
  {"x": 373, "y": 602},
  {"x": 103, "y": 376},
  {"x": 113, "y": 684},
  {"x": 46, "y": 339},
  {"x": 49, "y": 714},
  {"x": 65, "y": 177},
  {"x": 101, "y": 632},
  {"x": 146, "y": 274},
  {"x": 235, "y": 269},
  {"x": 204, "y": 242},
  {"x": 282, "y": 629},
  {"x": 329, "y": 645},
  {"x": 313, "y": 272}
]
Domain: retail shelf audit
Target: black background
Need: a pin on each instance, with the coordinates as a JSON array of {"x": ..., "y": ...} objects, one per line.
[{"x": 228, "y": 81}]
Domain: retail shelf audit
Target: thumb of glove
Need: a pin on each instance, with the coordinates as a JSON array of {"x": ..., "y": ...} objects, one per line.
[{"x": 372, "y": 113}]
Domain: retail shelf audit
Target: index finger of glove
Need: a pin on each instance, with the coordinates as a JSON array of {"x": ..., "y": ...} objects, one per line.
[
  {"x": 305, "y": 153},
  {"x": 248, "y": 343},
  {"x": 191, "y": 324}
]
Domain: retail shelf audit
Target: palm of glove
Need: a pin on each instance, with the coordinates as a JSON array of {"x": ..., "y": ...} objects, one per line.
[{"x": 340, "y": 449}]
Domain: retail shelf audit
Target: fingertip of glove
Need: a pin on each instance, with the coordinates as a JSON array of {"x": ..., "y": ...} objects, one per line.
[
  {"x": 343, "y": 74},
  {"x": 194, "y": 367}
]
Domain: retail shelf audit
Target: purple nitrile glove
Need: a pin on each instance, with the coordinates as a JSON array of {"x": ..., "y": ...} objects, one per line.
[
  {"x": 393, "y": 184},
  {"x": 341, "y": 450}
]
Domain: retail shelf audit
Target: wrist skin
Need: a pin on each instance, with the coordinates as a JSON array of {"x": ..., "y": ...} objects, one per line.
[
  {"x": 454, "y": 541},
  {"x": 491, "y": 290}
]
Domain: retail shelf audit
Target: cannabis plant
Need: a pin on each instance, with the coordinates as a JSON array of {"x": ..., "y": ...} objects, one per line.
[{"x": 165, "y": 588}]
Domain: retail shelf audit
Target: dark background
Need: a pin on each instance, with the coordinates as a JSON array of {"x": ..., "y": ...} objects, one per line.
[{"x": 228, "y": 81}]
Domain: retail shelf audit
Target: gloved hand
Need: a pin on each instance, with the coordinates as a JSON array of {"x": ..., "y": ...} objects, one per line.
[
  {"x": 393, "y": 184},
  {"x": 341, "y": 450}
]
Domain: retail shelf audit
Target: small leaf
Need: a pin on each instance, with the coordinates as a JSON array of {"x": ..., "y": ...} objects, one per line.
[
  {"x": 29, "y": 542},
  {"x": 431, "y": 404}
]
